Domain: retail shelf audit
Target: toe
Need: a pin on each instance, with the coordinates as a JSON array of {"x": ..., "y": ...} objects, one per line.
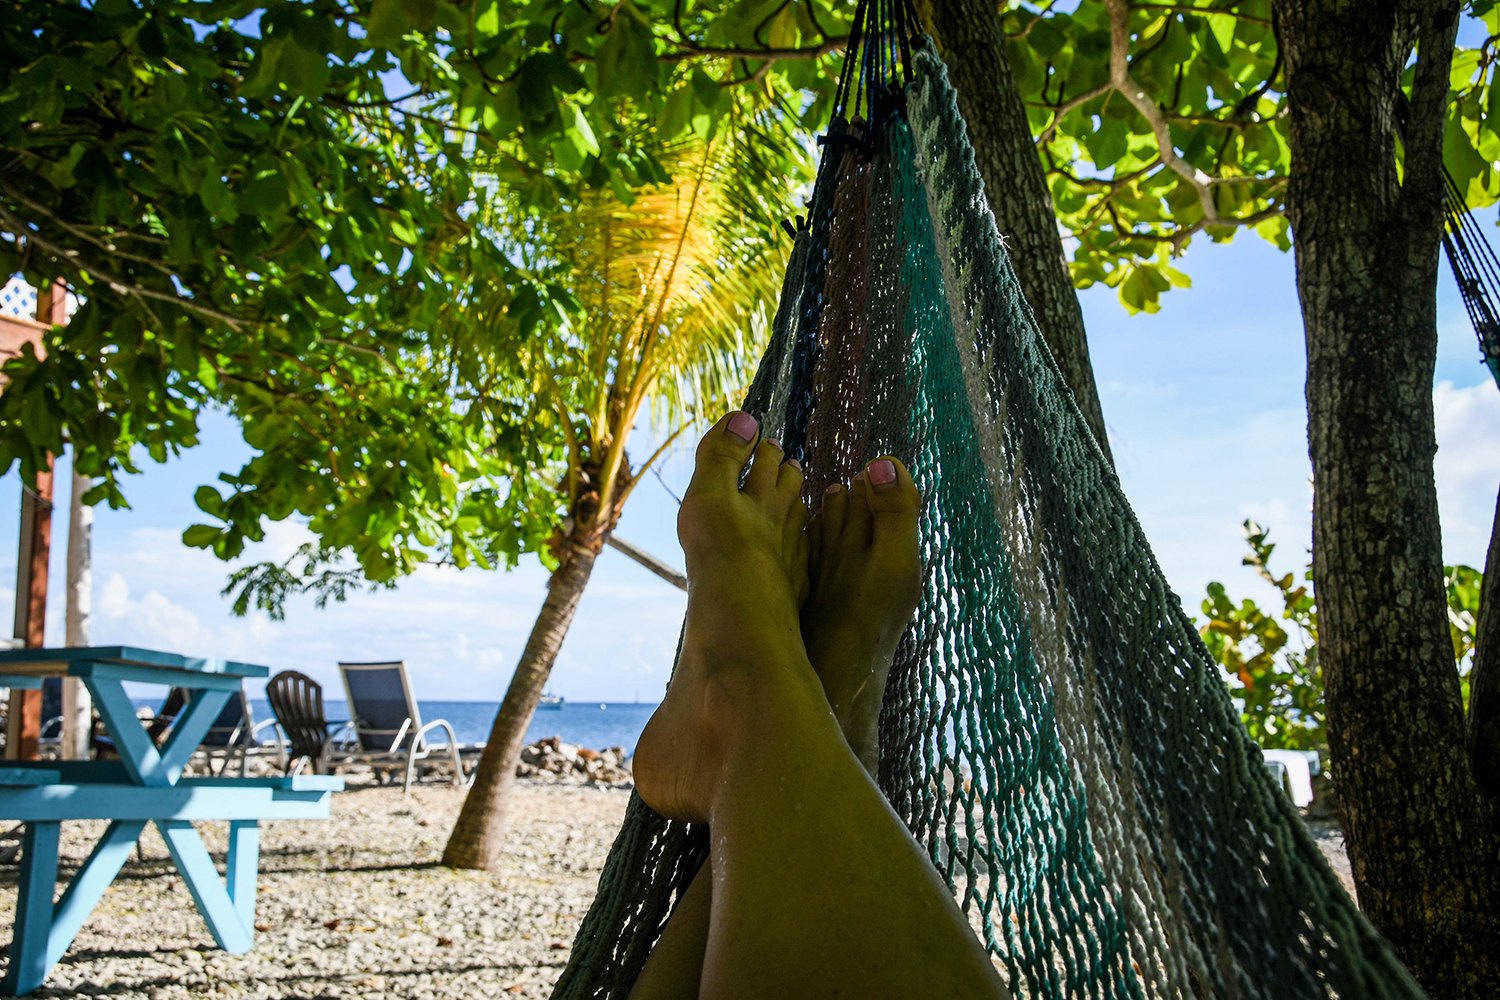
[
  {"x": 723, "y": 451},
  {"x": 796, "y": 516},
  {"x": 859, "y": 522},
  {"x": 814, "y": 538},
  {"x": 833, "y": 512},
  {"x": 789, "y": 481},
  {"x": 893, "y": 500},
  {"x": 764, "y": 472}
]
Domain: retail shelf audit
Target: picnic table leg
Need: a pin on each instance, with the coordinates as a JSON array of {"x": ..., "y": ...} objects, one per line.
[
  {"x": 242, "y": 867},
  {"x": 28, "y": 946},
  {"x": 89, "y": 884},
  {"x": 220, "y": 913}
]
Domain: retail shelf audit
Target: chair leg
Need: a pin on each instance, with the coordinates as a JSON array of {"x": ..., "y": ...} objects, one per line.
[{"x": 458, "y": 767}]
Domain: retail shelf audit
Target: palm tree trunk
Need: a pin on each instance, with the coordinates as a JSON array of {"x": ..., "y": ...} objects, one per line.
[{"x": 480, "y": 831}]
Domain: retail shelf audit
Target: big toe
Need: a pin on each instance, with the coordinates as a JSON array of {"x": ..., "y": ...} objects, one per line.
[
  {"x": 893, "y": 501},
  {"x": 723, "y": 452}
]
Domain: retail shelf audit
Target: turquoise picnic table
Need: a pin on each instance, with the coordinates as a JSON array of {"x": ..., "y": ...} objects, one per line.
[{"x": 145, "y": 785}]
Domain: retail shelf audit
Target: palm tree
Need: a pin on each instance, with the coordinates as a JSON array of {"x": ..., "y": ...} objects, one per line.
[{"x": 671, "y": 294}]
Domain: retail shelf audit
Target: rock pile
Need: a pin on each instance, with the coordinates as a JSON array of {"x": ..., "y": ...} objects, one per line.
[{"x": 554, "y": 759}]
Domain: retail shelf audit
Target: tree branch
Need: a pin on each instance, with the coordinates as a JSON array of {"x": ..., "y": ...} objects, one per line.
[
  {"x": 117, "y": 284},
  {"x": 1058, "y": 110},
  {"x": 1120, "y": 78},
  {"x": 1181, "y": 8}
]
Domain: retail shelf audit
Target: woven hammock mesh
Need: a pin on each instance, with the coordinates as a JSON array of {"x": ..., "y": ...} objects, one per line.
[{"x": 1054, "y": 732}]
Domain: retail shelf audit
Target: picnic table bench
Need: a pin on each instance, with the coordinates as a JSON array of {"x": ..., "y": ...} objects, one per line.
[{"x": 145, "y": 786}]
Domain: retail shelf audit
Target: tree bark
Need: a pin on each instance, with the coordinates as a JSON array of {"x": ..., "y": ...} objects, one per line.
[
  {"x": 1484, "y": 678},
  {"x": 479, "y": 833},
  {"x": 1421, "y": 846},
  {"x": 969, "y": 36}
]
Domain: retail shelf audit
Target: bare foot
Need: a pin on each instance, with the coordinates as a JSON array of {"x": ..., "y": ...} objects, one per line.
[
  {"x": 866, "y": 575},
  {"x": 743, "y": 675}
]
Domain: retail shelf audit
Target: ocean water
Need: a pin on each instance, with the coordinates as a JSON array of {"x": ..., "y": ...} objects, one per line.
[{"x": 590, "y": 724}]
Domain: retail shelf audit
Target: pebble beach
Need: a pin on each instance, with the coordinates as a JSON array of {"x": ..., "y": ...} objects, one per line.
[
  {"x": 355, "y": 905},
  {"x": 358, "y": 905}
]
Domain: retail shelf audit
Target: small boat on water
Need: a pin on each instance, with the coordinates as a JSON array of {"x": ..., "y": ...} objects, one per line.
[{"x": 550, "y": 700}]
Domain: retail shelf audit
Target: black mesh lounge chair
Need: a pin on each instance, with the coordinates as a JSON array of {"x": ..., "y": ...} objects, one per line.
[
  {"x": 49, "y": 741},
  {"x": 388, "y": 725},
  {"x": 297, "y": 702},
  {"x": 235, "y": 735}
]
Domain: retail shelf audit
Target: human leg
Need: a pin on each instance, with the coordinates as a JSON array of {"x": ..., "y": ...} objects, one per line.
[
  {"x": 861, "y": 596},
  {"x": 817, "y": 888}
]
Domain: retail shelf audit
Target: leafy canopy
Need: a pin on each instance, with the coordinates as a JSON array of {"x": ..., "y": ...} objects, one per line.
[
  {"x": 1160, "y": 121},
  {"x": 299, "y": 211},
  {"x": 278, "y": 209}
]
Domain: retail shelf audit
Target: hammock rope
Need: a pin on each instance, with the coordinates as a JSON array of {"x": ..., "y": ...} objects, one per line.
[
  {"x": 1054, "y": 732},
  {"x": 1477, "y": 271}
]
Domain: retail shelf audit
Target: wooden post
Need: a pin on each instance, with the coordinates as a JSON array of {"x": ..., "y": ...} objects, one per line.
[{"x": 24, "y": 723}]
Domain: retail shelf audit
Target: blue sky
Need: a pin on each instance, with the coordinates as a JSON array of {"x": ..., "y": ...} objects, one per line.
[{"x": 1204, "y": 405}]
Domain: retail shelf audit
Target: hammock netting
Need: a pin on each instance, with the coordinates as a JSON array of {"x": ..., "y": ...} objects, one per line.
[{"x": 1054, "y": 732}]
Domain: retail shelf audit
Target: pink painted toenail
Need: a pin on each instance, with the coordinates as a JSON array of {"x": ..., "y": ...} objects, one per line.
[
  {"x": 794, "y": 464},
  {"x": 833, "y": 488},
  {"x": 743, "y": 426},
  {"x": 882, "y": 472}
]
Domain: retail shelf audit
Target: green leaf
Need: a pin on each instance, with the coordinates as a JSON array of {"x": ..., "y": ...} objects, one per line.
[
  {"x": 537, "y": 101},
  {"x": 200, "y": 536},
  {"x": 1045, "y": 39},
  {"x": 304, "y": 72},
  {"x": 1108, "y": 142},
  {"x": 208, "y": 500},
  {"x": 626, "y": 63},
  {"x": 487, "y": 21},
  {"x": 390, "y": 20},
  {"x": 1222, "y": 26},
  {"x": 581, "y": 134},
  {"x": 707, "y": 90},
  {"x": 677, "y": 113}
]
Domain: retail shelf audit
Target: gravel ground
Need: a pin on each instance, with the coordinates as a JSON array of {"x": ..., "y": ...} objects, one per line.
[{"x": 355, "y": 905}]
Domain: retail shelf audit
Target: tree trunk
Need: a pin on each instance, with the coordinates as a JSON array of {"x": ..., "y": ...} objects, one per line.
[
  {"x": 1484, "y": 679},
  {"x": 480, "y": 831},
  {"x": 1421, "y": 846},
  {"x": 77, "y": 705},
  {"x": 970, "y": 39}
]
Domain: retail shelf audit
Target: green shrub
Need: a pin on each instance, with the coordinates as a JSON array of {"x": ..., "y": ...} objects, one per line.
[{"x": 1270, "y": 658}]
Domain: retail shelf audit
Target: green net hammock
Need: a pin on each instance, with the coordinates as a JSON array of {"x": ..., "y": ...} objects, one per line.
[{"x": 1054, "y": 732}]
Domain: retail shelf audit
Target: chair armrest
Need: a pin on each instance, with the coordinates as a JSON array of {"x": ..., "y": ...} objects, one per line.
[
  {"x": 442, "y": 724},
  {"x": 271, "y": 724},
  {"x": 255, "y": 743},
  {"x": 342, "y": 733},
  {"x": 418, "y": 744}
]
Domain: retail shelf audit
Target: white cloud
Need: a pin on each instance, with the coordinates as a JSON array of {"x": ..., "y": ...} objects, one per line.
[
  {"x": 1467, "y": 467},
  {"x": 460, "y": 632}
]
